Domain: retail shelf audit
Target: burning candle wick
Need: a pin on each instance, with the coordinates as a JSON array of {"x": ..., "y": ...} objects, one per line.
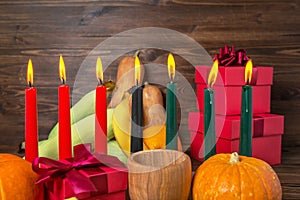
[{"x": 100, "y": 82}]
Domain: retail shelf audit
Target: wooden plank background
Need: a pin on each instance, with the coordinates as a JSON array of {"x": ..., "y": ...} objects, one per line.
[{"x": 268, "y": 30}]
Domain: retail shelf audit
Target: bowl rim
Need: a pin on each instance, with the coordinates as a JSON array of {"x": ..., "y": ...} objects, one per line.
[{"x": 147, "y": 168}]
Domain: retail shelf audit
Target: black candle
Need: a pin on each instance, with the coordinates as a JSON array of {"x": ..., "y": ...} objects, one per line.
[{"x": 136, "y": 142}]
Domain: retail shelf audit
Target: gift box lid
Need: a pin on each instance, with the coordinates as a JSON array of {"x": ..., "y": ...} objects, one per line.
[
  {"x": 228, "y": 127},
  {"x": 111, "y": 196},
  {"x": 234, "y": 75},
  {"x": 107, "y": 179}
]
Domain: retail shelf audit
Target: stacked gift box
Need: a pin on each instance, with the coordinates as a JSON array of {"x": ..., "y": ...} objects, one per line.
[
  {"x": 267, "y": 129},
  {"x": 86, "y": 176}
]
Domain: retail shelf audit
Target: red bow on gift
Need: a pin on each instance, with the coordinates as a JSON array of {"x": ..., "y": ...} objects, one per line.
[
  {"x": 49, "y": 169},
  {"x": 229, "y": 57}
]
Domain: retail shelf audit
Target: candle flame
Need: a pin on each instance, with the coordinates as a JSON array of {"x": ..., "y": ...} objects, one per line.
[
  {"x": 62, "y": 69},
  {"x": 212, "y": 77},
  {"x": 29, "y": 73},
  {"x": 248, "y": 71},
  {"x": 137, "y": 67},
  {"x": 171, "y": 67},
  {"x": 99, "y": 70}
]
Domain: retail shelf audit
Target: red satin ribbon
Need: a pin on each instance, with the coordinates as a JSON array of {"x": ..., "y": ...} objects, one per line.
[
  {"x": 231, "y": 57},
  {"x": 51, "y": 170}
]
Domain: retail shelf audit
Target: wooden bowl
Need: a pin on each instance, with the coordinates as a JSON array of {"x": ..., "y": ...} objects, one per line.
[{"x": 159, "y": 174}]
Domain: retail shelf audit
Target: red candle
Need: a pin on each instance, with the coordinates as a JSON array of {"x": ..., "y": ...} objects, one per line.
[
  {"x": 31, "y": 126},
  {"x": 101, "y": 112},
  {"x": 64, "y": 122}
]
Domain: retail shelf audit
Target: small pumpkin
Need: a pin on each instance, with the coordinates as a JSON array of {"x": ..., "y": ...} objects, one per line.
[
  {"x": 17, "y": 179},
  {"x": 230, "y": 176}
]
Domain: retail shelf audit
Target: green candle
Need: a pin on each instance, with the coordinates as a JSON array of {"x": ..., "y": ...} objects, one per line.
[
  {"x": 209, "y": 114},
  {"x": 209, "y": 123},
  {"x": 246, "y": 114},
  {"x": 171, "y": 123}
]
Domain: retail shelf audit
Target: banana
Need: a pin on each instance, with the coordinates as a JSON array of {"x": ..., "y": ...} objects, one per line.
[
  {"x": 83, "y": 131},
  {"x": 121, "y": 124},
  {"x": 49, "y": 149},
  {"x": 82, "y": 109},
  {"x": 114, "y": 149},
  {"x": 154, "y": 136}
]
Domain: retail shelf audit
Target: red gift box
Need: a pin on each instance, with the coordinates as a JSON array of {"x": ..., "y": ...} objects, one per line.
[
  {"x": 106, "y": 180},
  {"x": 229, "y": 82},
  {"x": 228, "y": 127},
  {"x": 84, "y": 176},
  {"x": 235, "y": 75},
  {"x": 232, "y": 69},
  {"x": 267, "y": 148},
  {"x": 266, "y": 143},
  {"x": 228, "y": 99},
  {"x": 266, "y": 128},
  {"x": 111, "y": 196}
]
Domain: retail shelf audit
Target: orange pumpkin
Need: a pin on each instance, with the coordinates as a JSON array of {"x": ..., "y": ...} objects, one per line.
[
  {"x": 17, "y": 180},
  {"x": 230, "y": 176}
]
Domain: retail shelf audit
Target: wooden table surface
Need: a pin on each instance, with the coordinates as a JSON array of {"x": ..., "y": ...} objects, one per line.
[{"x": 268, "y": 30}]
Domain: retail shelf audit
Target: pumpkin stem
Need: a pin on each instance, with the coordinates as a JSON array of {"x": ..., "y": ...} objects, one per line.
[{"x": 234, "y": 158}]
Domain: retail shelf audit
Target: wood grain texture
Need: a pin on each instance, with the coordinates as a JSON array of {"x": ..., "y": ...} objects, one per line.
[
  {"x": 152, "y": 175},
  {"x": 268, "y": 30}
]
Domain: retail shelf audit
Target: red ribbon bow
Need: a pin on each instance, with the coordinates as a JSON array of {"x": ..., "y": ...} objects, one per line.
[
  {"x": 49, "y": 169},
  {"x": 229, "y": 57}
]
